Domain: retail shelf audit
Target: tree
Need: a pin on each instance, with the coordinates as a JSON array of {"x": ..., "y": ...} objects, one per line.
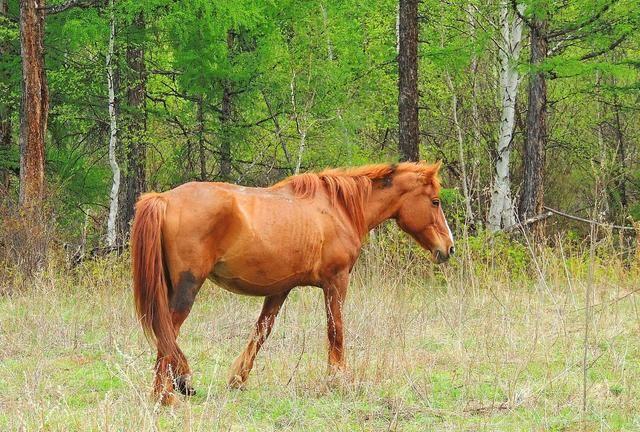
[
  {"x": 501, "y": 213},
  {"x": 408, "y": 126},
  {"x": 35, "y": 104},
  {"x": 113, "y": 131},
  {"x": 225, "y": 117},
  {"x": 33, "y": 127},
  {"x": 136, "y": 122},
  {"x": 532, "y": 197},
  {"x": 547, "y": 41}
]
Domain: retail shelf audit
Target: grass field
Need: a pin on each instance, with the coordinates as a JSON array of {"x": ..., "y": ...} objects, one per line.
[{"x": 494, "y": 341}]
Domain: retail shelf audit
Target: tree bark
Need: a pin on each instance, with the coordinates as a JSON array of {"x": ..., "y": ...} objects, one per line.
[
  {"x": 136, "y": 124},
  {"x": 33, "y": 127},
  {"x": 408, "y": 126},
  {"x": 532, "y": 198},
  {"x": 113, "y": 131},
  {"x": 501, "y": 213},
  {"x": 35, "y": 103}
]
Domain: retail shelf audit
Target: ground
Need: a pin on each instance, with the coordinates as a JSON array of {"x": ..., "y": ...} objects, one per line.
[{"x": 489, "y": 343}]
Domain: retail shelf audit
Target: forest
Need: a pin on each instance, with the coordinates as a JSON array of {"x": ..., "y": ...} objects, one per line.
[
  {"x": 526, "y": 106},
  {"x": 532, "y": 106}
]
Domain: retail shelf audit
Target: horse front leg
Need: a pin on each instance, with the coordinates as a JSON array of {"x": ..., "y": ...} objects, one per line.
[
  {"x": 244, "y": 363},
  {"x": 335, "y": 292}
]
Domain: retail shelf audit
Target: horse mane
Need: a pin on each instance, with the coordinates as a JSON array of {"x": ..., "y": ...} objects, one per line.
[{"x": 351, "y": 187}]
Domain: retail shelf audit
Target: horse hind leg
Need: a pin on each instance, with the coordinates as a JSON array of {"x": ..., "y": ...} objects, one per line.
[
  {"x": 175, "y": 372},
  {"x": 244, "y": 363}
]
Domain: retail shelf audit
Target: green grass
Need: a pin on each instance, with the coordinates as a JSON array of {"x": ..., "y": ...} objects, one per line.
[{"x": 471, "y": 346}]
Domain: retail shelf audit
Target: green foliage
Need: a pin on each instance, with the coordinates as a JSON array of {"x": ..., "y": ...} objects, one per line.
[
  {"x": 498, "y": 250},
  {"x": 324, "y": 74}
]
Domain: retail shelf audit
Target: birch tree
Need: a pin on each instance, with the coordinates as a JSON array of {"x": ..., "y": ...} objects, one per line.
[
  {"x": 501, "y": 213},
  {"x": 113, "y": 133}
]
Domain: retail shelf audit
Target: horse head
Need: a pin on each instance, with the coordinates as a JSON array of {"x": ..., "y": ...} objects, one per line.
[{"x": 420, "y": 212}]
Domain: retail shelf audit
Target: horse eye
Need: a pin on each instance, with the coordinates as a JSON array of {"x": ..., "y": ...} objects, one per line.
[{"x": 435, "y": 202}]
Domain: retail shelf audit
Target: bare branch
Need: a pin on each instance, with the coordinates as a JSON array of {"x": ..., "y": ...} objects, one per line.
[
  {"x": 611, "y": 47},
  {"x": 514, "y": 6},
  {"x": 589, "y": 21},
  {"x": 581, "y": 219},
  {"x": 527, "y": 222},
  {"x": 57, "y": 8}
]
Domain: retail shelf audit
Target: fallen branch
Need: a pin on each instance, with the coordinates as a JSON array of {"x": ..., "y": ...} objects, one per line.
[
  {"x": 589, "y": 221},
  {"x": 527, "y": 222}
]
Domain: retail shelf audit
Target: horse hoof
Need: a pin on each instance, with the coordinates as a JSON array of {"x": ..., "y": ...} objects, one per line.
[{"x": 182, "y": 384}]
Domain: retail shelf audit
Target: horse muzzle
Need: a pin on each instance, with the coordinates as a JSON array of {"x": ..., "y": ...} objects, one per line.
[{"x": 440, "y": 256}]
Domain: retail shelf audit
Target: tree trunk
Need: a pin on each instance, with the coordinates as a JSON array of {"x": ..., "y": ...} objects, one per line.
[
  {"x": 325, "y": 26},
  {"x": 113, "y": 131},
  {"x": 473, "y": 71},
  {"x": 532, "y": 198},
  {"x": 604, "y": 163},
  {"x": 278, "y": 131},
  {"x": 463, "y": 166},
  {"x": 33, "y": 126},
  {"x": 621, "y": 177},
  {"x": 201, "y": 144},
  {"x": 475, "y": 118},
  {"x": 226, "y": 113},
  {"x": 5, "y": 116},
  {"x": 408, "y": 127},
  {"x": 136, "y": 125},
  {"x": 501, "y": 213},
  {"x": 35, "y": 104}
]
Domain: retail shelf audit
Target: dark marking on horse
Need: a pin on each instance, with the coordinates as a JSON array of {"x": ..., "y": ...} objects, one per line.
[
  {"x": 387, "y": 181},
  {"x": 185, "y": 292}
]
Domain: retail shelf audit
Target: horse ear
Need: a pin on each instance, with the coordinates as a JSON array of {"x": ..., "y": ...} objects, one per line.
[
  {"x": 430, "y": 175},
  {"x": 437, "y": 166}
]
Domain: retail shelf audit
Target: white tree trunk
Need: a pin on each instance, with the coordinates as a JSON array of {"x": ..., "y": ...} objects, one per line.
[
  {"x": 302, "y": 131},
  {"x": 115, "y": 185},
  {"x": 325, "y": 21},
  {"x": 397, "y": 27},
  {"x": 303, "y": 139},
  {"x": 501, "y": 213}
]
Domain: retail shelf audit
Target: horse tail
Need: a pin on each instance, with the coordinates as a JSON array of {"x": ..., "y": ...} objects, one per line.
[{"x": 150, "y": 288}]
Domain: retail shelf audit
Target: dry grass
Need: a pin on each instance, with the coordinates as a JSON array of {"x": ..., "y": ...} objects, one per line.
[{"x": 492, "y": 342}]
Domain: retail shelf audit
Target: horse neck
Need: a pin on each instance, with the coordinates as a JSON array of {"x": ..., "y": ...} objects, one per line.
[{"x": 382, "y": 205}]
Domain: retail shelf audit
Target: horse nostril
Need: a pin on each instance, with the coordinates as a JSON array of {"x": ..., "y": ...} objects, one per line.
[{"x": 452, "y": 250}]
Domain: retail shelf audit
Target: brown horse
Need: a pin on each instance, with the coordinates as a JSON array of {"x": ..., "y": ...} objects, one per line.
[{"x": 306, "y": 230}]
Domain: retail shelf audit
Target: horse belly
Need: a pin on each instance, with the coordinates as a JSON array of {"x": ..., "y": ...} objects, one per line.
[{"x": 270, "y": 258}]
